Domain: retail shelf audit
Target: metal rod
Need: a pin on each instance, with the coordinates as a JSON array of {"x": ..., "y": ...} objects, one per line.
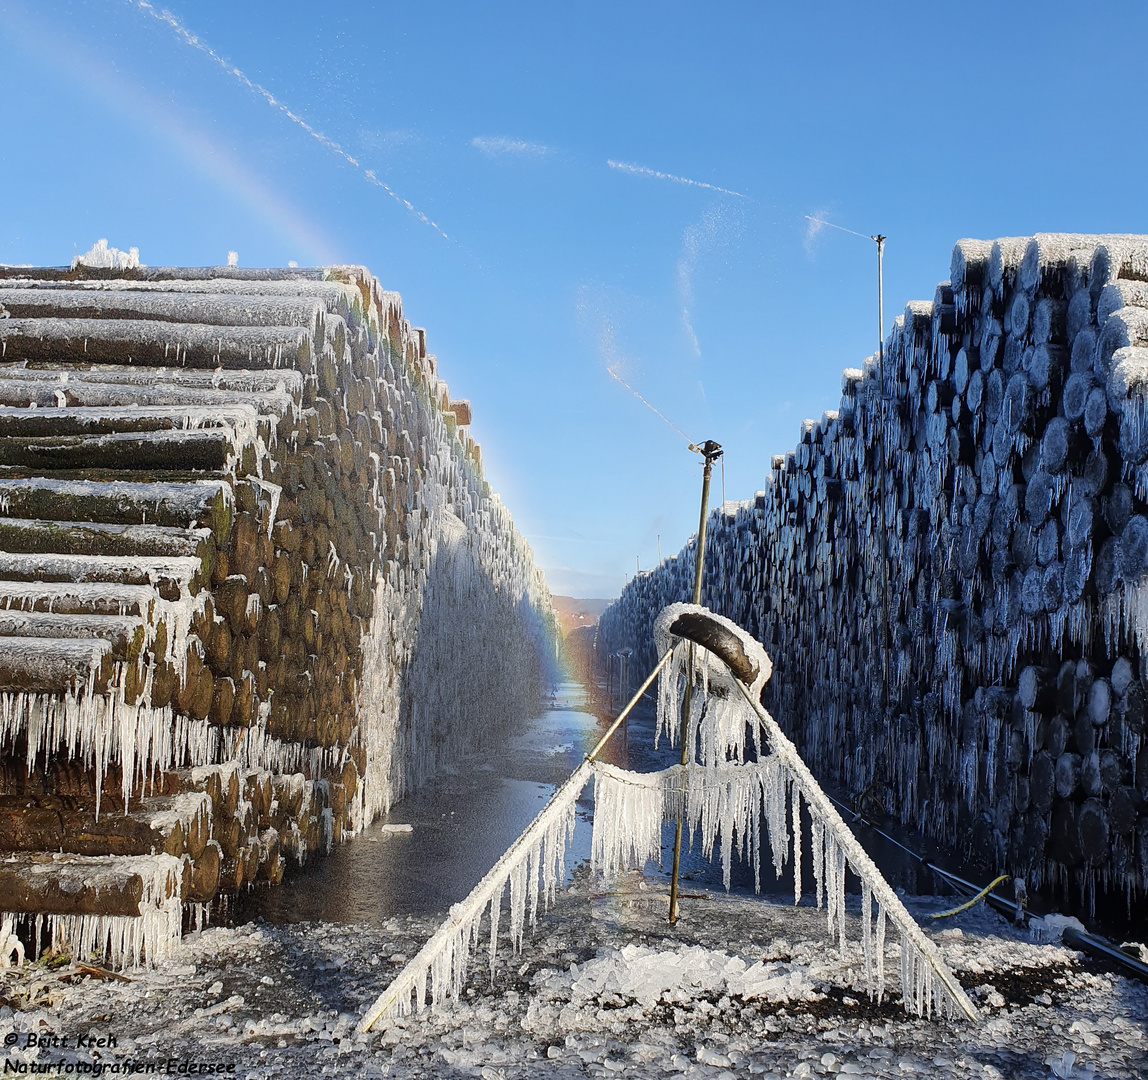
[
  {"x": 629, "y": 706},
  {"x": 884, "y": 545},
  {"x": 711, "y": 451}
]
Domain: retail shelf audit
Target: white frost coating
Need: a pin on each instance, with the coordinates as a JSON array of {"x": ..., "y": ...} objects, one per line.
[
  {"x": 115, "y": 569},
  {"x": 184, "y": 810},
  {"x": 537, "y": 856},
  {"x": 100, "y": 256},
  {"x": 715, "y": 669}
]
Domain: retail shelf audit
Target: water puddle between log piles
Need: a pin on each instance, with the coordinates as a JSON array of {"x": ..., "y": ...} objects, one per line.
[{"x": 461, "y": 823}]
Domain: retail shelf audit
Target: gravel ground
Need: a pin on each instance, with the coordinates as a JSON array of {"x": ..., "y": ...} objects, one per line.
[{"x": 604, "y": 987}]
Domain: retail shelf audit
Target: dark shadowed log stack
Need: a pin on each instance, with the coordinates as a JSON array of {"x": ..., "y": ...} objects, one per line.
[
  {"x": 253, "y": 585},
  {"x": 1012, "y": 430}
]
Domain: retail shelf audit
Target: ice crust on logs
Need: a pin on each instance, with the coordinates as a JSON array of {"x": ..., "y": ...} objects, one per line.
[{"x": 125, "y": 941}]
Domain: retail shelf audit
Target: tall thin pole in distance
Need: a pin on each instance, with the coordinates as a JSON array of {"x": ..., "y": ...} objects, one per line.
[
  {"x": 881, "y": 417},
  {"x": 710, "y": 451}
]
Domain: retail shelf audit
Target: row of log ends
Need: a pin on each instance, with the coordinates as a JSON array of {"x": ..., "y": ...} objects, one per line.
[
  {"x": 1012, "y": 440},
  {"x": 225, "y": 498}
]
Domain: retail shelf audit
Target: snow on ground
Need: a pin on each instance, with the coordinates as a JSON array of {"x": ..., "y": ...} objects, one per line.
[{"x": 604, "y": 988}]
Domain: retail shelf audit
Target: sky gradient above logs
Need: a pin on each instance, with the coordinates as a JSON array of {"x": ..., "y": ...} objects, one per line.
[{"x": 564, "y": 193}]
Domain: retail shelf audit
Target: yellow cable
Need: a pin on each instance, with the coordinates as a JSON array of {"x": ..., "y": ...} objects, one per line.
[{"x": 969, "y": 903}]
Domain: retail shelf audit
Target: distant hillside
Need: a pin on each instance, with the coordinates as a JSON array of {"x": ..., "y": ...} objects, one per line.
[{"x": 574, "y": 612}]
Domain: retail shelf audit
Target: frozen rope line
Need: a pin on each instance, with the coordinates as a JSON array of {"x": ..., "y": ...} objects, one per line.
[
  {"x": 726, "y": 801},
  {"x": 535, "y": 863}
]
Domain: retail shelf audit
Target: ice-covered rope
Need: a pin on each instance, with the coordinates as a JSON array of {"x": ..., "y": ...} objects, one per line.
[
  {"x": 927, "y": 982},
  {"x": 534, "y": 864}
]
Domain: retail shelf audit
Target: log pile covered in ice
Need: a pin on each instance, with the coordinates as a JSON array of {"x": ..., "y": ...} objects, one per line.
[
  {"x": 950, "y": 571},
  {"x": 253, "y": 586}
]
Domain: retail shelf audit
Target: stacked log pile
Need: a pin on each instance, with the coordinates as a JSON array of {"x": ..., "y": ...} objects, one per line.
[
  {"x": 253, "y": 584},
  {"x": 971, "y": 654}
]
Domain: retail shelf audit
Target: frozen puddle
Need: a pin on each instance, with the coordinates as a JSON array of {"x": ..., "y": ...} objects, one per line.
[{"x": 604, "y": 987}]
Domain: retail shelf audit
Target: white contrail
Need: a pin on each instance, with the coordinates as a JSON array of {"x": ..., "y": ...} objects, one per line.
[
  {"x": 641, "y": 170},
  {"x": 494, "y": 145},
  {"x": 165, "y": 16}
]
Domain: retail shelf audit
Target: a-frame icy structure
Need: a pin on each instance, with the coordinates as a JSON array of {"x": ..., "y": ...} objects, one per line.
[{"x": 724, "y": 798}]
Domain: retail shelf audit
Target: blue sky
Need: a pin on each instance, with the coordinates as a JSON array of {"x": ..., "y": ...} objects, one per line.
[{"x": 498, "y": 122}]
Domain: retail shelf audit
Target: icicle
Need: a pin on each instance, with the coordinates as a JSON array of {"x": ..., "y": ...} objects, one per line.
[
  {"x": 879, "y": 952},
  {"x": 839, "y": 901},
  {"x": 818, "y": 857},
  {"x": 518, "y": 903},
  {"x": 774, "y": 784},
  {"x": 796, "y": 804},
  {"x": 832, "y": 912},
  {"x": 495, "y": 912},
  {"x": 123, "y": 941},
  {"x": 533, "y": 856},
  {"x": 628, "y": 812}
]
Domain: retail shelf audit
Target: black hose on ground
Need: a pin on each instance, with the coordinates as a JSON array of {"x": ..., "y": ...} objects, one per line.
[{"x": 1098, "y": 948}]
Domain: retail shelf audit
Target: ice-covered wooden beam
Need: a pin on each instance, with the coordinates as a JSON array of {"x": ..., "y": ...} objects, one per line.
[
  {"x": 83, "y": 885},
  {"x": 182, "y": 504},
  {"x": 152, "y": 343},
  {"x": 100, "y": 538}
]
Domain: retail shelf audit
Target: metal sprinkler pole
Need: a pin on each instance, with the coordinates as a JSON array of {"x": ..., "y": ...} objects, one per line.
[
  {"x": 710, "y": 452},
  {"x": 884, "y": 546}
]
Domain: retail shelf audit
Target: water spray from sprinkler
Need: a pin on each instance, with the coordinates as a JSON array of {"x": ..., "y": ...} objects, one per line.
[{"x": 689, "y": 442}]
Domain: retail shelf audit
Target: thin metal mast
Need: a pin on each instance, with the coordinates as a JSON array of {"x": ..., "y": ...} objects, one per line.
[
  {"x": 710, "y": 452},
  {"x": 881, "y": 469}
]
